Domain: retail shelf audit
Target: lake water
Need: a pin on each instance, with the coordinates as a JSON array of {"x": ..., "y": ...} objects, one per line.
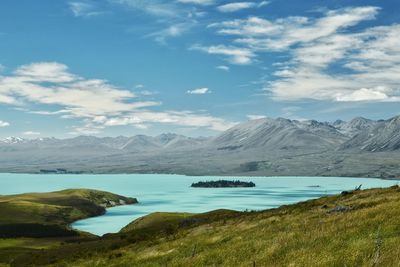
[{"x": 156, "y": 192}]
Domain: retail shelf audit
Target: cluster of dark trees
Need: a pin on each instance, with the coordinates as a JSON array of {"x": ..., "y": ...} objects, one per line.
[
  {"x": 59, "y": 171},
  {"x": 223, "y": 183},
  {"x": 35, "y": 230}
]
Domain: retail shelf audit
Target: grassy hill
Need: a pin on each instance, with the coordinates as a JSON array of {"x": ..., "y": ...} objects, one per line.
[
  {"x": 49, "y": 214},
  {"x": 360, "y": 228}
]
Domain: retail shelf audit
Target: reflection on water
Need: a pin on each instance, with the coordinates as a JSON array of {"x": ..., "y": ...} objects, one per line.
[{"x": 173, "y": 193}]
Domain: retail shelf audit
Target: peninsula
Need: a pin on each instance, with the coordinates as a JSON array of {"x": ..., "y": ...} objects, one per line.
[{"x": 50, "y": 214}]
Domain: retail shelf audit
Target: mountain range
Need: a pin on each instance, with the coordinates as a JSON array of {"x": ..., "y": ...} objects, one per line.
[{"x": 360, "y": 147}]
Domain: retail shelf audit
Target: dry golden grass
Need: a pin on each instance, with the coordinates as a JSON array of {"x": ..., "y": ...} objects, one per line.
[
  {"x": 304, "y": 234},
  {"x": 365, "y": 231}
]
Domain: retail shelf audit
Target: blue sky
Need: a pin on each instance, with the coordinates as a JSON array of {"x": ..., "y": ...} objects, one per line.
[{"x": 195, "y": 67}]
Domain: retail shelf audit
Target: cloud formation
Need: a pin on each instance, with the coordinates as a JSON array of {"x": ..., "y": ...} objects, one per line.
[
  {"x": 31, "y": 133},
  {"x": 95, "y": 102},
  {"x": 237, "y": 6},
  {"x": 199, "y": 91},
  {"x": 256, "y": 117},
  {"x": 83, "y": 9},
  {"x": 171, "y": 19},
  {"x": 173, "y": 30},
  {"x": 235, "y": 55},
  {"x": 182, "y": 118},
  {"x": 151, "y": 7},
  {"x": 4, "y": 124},
  {"x": 198, "y": 2},
  {"x": 366, "y": 62},
  {"x": 223, "y": 67}
]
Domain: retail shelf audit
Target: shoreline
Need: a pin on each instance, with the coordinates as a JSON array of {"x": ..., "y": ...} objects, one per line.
[
  {"x": 188, "y": 175},
  {"x": 212, "y": 210}
]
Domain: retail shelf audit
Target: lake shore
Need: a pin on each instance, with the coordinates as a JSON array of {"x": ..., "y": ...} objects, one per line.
[
  {"x": 172, "y": 193},
  {"x": 50, "y": 214},
  {"x": 298, "y": 234}
]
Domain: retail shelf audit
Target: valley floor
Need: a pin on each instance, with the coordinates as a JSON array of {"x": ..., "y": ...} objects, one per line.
[{"x": 224, "y": 163}]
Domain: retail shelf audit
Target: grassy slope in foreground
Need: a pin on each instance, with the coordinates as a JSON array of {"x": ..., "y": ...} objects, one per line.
[
  {"x": 49, "y": 214},
  {"x": 358, "y": 229}
]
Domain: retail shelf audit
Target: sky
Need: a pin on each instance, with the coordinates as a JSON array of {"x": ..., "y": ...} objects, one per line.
[{"x": 193, "y": 67}]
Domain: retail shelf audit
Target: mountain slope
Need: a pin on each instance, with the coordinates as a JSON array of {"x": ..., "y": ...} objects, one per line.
[
  {"x": 281, "y": 133},
  {"x": 141, "y": 143},
  {"x": 264, "y": 147},
  {"x": 355, "y": 126},
  {"x": 383, "y": 136}
]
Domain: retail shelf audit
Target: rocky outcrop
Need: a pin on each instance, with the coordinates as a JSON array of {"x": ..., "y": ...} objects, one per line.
[{"x": 383, "y": 136}]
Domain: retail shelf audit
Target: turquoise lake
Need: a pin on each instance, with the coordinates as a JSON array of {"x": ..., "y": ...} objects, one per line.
[{"x": 172, "y": 193}]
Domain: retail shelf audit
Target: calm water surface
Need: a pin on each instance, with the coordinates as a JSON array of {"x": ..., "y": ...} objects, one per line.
[{"x": 157, "y": 192}]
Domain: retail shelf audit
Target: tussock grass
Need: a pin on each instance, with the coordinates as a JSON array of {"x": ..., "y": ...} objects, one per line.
[
  {"x": 49, "y": 214},
  {"x": 311, "y": 233}
]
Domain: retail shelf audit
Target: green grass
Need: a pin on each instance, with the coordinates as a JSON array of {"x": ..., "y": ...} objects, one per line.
[
  {"x": 172, "y": 221},
  {"x": 310, "y": 233},
  {"x": 49, "y": 214}
]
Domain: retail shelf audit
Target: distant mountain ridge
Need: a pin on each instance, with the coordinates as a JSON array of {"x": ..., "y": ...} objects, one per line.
[
  {"x": 134, "y": 143},
  {"x": 381, "y": 136},
  {"x": 280, "y": 134},
  {"x": 359, "y": 133},
  {"x": 257, "y": 147},
  {"x": 355, "y": 126}
]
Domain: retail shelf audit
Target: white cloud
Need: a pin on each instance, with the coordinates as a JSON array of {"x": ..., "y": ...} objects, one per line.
[
  {"x": 314, "y": 45},
  {"x": 45, "y": 72},
  {"x": 144, "y": 92},
  {"x": 263, "y": 34},
  {"x": 223, "y": 67},
  {"x": 372, "y": 56},
  {"x": 256, "y": 117},
  {"x": 292, "y": 112},
  {"x": 96, "y": 103},
  {"x": 183, "y": 118},
  {"x": 251, "y": 27},
  {"x": 4, "y": 124},
  {"x": 52, "y": 84},
  {"x": 197, "y": 2},
  {"x": 44, "y": 112},
  {"x": 263, "y": 3},
  {"x": 147, "y": 93},
  {"x": 8, "y": 99},
  {"x": 2, "y": 68},
  {"x": 363, "y": 94},
  {"x": 172, "y": 19},
  {"x": 174, "y": 30},
  {"x": 236, "y": 6},
  {"x": 83, "y": 9},
  {"x": 82, "y": 99},
  {"x": 31, "y": 133},
  {"x": 235, "y": 55},
  {"x": 86, "y": 130},
  {"x": 199, "y": 91},
  {"x": 152, "y": 7}
]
